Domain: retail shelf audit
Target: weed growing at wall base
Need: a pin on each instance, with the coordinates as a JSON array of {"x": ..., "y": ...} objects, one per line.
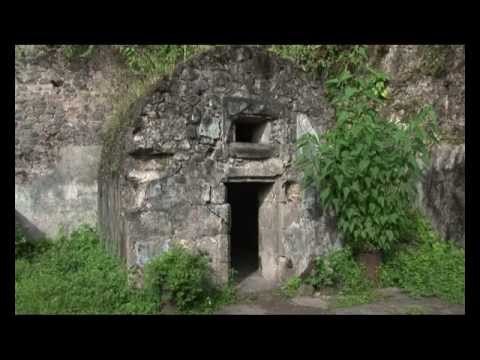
[
  {"x": 291, "y": 286},
  {"x": 184, "y": 279},
  {"x": 366, "y": 168},
  {"x": 339, "y": 270},
  {"x": 75, "y": 275},
  {"x": 429, "y": 267}
]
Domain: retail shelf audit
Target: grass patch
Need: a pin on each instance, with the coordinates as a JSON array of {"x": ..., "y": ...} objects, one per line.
[
  {"x": 429, "y": 266},
  {"x": 75, "y": 275},
  {"x": 339, "y": 271},
  {"x": 435, "y": 268},
  {"x": 426, "y": 266}
]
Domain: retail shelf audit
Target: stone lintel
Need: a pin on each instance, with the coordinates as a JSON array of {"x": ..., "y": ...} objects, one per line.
[{"x": 251, "y": 150}]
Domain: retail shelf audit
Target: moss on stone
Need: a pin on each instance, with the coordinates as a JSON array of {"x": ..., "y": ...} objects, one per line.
[
  {"x": 434, "y": 60},
  {"x": 125, "y": 112},
  {"x": 453, "y": 136}
]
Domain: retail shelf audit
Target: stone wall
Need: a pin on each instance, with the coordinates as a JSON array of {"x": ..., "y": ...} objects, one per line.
[
  {"x": 426, "y": 75},
  {"x": 434, "y": 75},
  {"x": 443, "y": 192},
  {"x": 60, "y": 109},
  {"x": 180, "y": 151}
]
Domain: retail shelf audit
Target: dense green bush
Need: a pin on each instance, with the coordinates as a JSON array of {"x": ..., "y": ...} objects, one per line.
[
  {"x": 184, "y": 279},
  {"x": 291, "y": 286},
  {"x": 25, "y": 247},
  {"x": 428, "y": 267},
  {"x": 366, "y": 168},
  {"x": 339, "y": 270},
  {"x": 425, "y": 266},
  {"x": 76, "y": 276}
]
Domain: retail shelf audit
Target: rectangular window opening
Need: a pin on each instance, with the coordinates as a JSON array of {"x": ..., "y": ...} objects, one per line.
[{"x": 249, "y": 132}]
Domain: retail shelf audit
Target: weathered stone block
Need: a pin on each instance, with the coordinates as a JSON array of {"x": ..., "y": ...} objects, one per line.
[
  {"x": 251, "y": 150},
  {"x": 267, "y": 168},
  {"x": 145, "y": 251},
  {"x": 442, "y": 193},
  {"x": 218, "y": 194}
]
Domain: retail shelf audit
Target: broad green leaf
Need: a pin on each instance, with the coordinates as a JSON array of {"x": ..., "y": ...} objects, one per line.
[
  {"x": 339, "y": 179},
  {"x": 324, "y": 194},
  {"x": 389, "y": 234},
  {"x": 349, "y": 92},
  {"x": 331, "y": 82},
  {"x": 336, "y": 204},
  {"x": 342, "y": 116},
  {"x": 345, "y": 75},
  {"x": 368, "y": 181},
  {"x": 356, "y": 187},
  {"x": 363, "y": 164}
]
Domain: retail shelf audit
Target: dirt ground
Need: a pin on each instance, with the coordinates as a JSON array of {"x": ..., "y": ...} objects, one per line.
[{"x": 390, "y": 301}]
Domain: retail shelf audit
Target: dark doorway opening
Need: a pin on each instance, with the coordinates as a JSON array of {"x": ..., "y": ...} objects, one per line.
[{"x": 245, "y": 200}]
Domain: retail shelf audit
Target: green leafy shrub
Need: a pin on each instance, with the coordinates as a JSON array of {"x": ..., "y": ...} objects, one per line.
[
  {"x": 429, "y": 267},
  {"x": 366, "y": 168},
  {"x": 291, "y": 286},
  {"x": 26, "y": 248},
  {"x": 339, "y": 271},
  {"x": 180, "y": 277},
  {"x": 75, "y": 275}
]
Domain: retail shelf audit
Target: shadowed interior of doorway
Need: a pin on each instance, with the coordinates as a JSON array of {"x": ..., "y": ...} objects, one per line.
[{"x": 245, "y": 199}]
